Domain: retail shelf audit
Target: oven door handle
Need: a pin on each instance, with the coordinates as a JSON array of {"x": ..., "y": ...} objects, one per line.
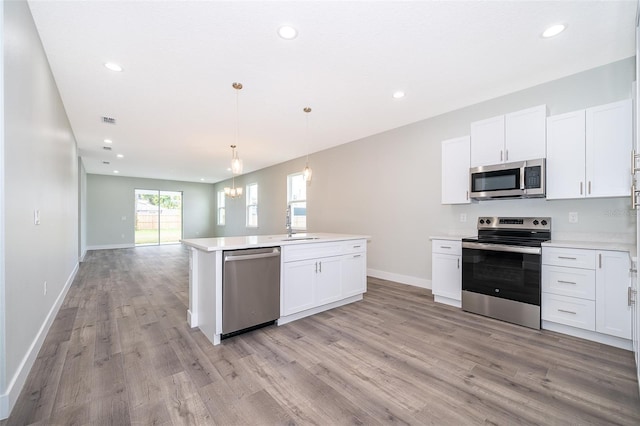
[{"x": 502, "y": 247}]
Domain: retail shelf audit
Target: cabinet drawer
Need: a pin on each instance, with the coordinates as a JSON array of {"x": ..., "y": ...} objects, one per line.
[
  {"x": 447, "y": 247},
  {"x": 571, "y": 311},
  {"x": 574, "y": 258},
  {"x": 291, "y": 253},
  {"x": 572, "y": 282},
  {"x": 354, "y": 246}
]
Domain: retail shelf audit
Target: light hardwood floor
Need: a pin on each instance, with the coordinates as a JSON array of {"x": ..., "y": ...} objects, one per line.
[{"x": 120, "y": 352}]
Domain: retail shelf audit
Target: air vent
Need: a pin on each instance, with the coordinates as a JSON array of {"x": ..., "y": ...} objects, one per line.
[
  {"x": 106, "y": 162},
  {"x": 109, "y": 120},
  {"x": 106, "y": 148}
]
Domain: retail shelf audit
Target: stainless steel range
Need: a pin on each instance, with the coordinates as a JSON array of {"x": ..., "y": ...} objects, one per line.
[{"x": 501, "y": 269}]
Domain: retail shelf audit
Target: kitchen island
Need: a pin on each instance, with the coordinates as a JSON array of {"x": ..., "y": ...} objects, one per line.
[{"x": 318, "y": 271}]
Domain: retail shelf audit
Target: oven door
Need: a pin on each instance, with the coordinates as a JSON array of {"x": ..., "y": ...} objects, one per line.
[{"x": 506, "y": 272}]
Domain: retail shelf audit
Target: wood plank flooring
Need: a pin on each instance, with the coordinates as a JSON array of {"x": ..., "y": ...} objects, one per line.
[{"x": 120, "y": 352}]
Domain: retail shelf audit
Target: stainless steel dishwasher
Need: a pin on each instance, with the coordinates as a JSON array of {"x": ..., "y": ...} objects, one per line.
[{"x": 250, "y": 289}]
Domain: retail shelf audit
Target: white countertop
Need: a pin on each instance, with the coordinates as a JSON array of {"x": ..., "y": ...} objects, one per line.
[
  {"x": 451, "y": 237},
  {"x": 256, "y": 241},
  {"x": 593, "y": 245}
]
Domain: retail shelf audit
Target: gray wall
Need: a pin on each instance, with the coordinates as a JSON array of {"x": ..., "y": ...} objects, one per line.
[
  {"x": 388, "y": 185},
  {"x": 82, "y": 210},
  {"x": 110, "y": 198},
  {"x": 40, "y": 172}
]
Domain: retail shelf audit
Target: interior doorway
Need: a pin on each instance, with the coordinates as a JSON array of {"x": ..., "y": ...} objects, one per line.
[{"x": 158, "y": 217}]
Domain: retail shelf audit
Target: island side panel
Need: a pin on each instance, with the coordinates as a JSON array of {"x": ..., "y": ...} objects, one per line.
[
  {"x": 207, "y": 272},
  {"x": 192, "y": 312}
]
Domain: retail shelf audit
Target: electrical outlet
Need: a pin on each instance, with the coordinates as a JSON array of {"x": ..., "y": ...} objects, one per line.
[
  {"x": 463, "y": 217},
  {"x": 573, "y": 217},
  {"x": 45, "y": 288},
  {"x": 121, "y": 235}
]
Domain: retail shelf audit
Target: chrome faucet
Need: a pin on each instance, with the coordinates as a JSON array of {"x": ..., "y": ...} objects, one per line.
[{"x": 288, "y": 221}]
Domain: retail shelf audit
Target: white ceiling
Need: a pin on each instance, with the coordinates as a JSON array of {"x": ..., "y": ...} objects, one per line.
[{"x": 175, "y": 107}]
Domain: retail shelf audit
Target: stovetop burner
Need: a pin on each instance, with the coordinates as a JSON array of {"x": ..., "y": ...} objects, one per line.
[{"x": 514, "y": 231}]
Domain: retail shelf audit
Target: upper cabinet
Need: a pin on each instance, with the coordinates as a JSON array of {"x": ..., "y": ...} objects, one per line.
[
  {"x": 455, "y": 170},
  {"x": 588, "y": 152},
  {"x": 516, "y": 136}
]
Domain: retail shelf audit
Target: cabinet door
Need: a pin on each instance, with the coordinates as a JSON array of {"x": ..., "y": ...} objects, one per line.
[
  {"x": 446, "y": 276},
  {"x": 613, "y": 313},
  {"x": 566, "y": 156},
  {"x": 328, "y": 285},
  {"x": 354, "y": 274},
  {"x": 487, "y": 141},
  {"x": 608, "y": 146},
  {"x": 298, "y": 286},
  {"x": 456, "y": 160},
  {"x": 525, "y": 134}
]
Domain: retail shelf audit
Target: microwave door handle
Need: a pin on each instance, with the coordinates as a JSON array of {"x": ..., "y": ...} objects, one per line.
[{"x": 522, "y": 177}]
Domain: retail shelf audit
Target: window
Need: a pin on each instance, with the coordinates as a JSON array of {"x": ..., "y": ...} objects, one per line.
[
  {"x": 221, "y": 208},
  {"x": 297, "y": 201},
  {"x": 252, "y": 205}
]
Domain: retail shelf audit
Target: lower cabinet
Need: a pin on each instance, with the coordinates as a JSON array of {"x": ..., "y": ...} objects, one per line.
[
  {"x": 446, "y": 272},
  {"x": 314, "y": 277},
  {"x": 587, "y": 290}
]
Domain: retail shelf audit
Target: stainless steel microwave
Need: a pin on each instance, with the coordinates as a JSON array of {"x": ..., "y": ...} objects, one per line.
[{"x": 523, "y": 179}]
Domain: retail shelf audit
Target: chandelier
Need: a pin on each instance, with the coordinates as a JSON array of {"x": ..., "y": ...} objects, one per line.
[
  {"x": 236, "y": 162},
  {"x": 307, "y": 172}
]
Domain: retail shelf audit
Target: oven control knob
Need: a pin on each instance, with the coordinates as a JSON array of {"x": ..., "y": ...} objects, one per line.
[
  {"x": 488, "y": 221},
  {"x": 535, "y": 222},
  {"x": 481, "y": 221},
  {"x": 544, "y": 223}
]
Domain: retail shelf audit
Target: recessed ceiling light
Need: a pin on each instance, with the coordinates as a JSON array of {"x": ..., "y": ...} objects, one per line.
[
  {"x": 108, "y": 141},
  {"x": 120, "y": 156},
  {"x": 113, "y": 66},
  {"x": 399, "y": 94},
  {"x": 116, "y": 171},
  {"x": 202, "y": 179},
  {"x": 287, "y": 32},
  {"x": 554, "y": 30}
]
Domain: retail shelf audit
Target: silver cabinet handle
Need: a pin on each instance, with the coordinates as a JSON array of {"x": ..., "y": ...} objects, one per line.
[
  {"x": 634, "y": 203},
  {"x": 567, "y": 312},
  {"x": 355, "y": 256},
  {"x": 355, "y": 247},
  {"x": 506, "y": 155},
  {"x": 447, "y": 247},
  {"x": 320, "y": 266},
  {"x": 500, "y": 155},
  {"x": 580, "y": 188},
  {"x": 630, "y": 300},
  {"x": 589, "y": 190},
  {"x": 567, "y": 282},
  {"x": 600, "y": 260},
  {"x": 567, "y": 257},
  {"x": 458, "y": 263},
  {"x": 316, "y": 267}
]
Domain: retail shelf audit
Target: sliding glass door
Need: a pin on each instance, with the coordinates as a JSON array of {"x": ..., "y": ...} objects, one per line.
[{"x": 158, "y": 217}]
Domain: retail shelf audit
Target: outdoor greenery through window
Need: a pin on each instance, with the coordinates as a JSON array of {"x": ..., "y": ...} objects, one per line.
[
  {"x": 158, "y": 217},
  {"x": 221, "y": 208},
  {"x": 252, "y": 205},
  {"x": 297, "y": 200}
]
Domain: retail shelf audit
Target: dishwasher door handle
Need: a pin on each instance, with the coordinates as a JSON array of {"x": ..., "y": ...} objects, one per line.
[{"x": 251, "y": 256}]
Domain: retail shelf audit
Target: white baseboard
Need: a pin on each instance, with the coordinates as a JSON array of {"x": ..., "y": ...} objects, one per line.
[
  {"x": 8, "y": 400},
  {"x": 588, "y": 335},
  {"x": 402, "y": 279},
  {"x": 110, "y": 246}
]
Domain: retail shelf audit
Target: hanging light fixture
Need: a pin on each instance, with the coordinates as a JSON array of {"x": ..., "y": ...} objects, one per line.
[
  {"x": 307, "y": 172},
  {"x": 236, "y": 162}
]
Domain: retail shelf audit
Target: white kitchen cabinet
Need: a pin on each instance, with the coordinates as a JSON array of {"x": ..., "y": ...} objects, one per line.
[
  {"x": 319, "y": 275},
  {"x": 299, "y": 286},
  {"x": 354, "y": 274},
  {"x": 516, "y": 136},
  {"x": 587, "y": 289},
  {"x": 456, "y": 160},
  {"x": 446, "y": 271},
  {"x": 588, "y": 152},
  {"x": 328, "y": 280},
  {"x": 525, "y": 134},
  {"x": 613, "y": 310}
]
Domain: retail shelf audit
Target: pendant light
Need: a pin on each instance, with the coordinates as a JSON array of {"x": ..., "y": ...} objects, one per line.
[
  {"x": 307, "y": 172},
  {"x": 236, "y": 162}
]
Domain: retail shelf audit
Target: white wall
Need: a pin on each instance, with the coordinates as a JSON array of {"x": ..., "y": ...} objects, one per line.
[
  {"x": 82, "y": 210},
  {"x": 40, "y": 172},
  {"x": 388, "y": 185},
  {"x": 110, "y": 198}
]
